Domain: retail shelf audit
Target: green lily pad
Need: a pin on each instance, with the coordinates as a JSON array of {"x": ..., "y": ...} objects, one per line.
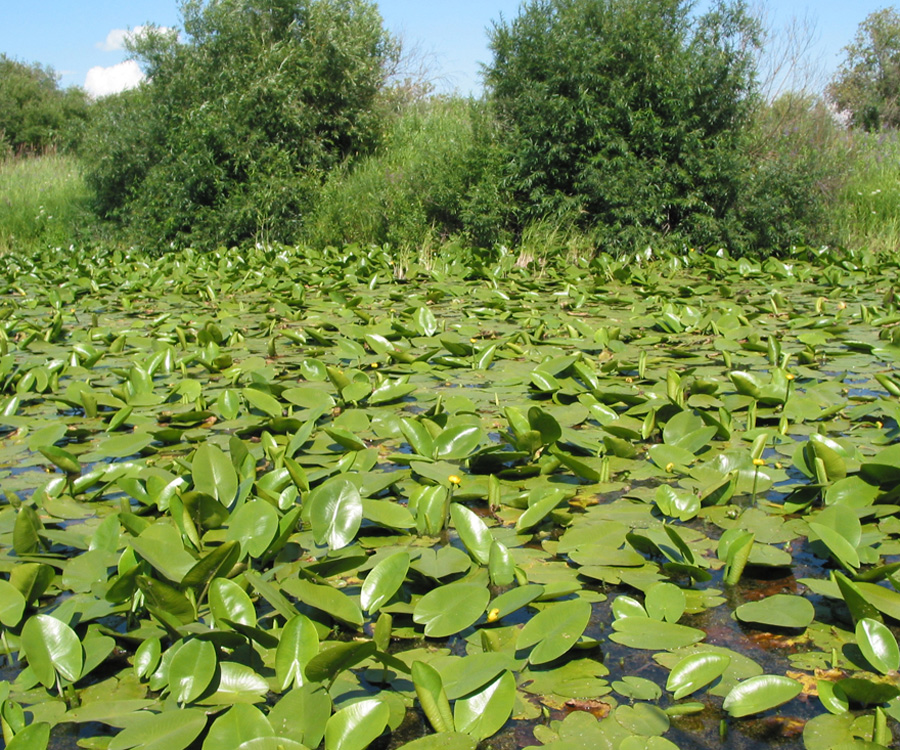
[
  {"x": 696, "y": 671},
  {"x": 654, "y": 635},
  {"x": 780, "y": 611},
  {"x": 554, "y": 631},
  {"x": 760, "y": 693},
  {"x": 451, "y": 608}
]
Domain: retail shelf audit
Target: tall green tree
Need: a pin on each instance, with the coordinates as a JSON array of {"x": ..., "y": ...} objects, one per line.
[
  {"x": 629, "y": 115},
  {"x": 35, "y": 114},
  {"x": 867, "y": 84},
  {"x": 229, "y": 138}
]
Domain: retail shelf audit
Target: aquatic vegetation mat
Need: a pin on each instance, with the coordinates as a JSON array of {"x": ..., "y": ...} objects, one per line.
[{"x": 287, "y": 499}]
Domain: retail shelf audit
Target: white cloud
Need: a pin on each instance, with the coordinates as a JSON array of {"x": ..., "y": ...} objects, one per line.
[
  {"x": 102, "y": 81},
  {"x": 115, "y": 39}
]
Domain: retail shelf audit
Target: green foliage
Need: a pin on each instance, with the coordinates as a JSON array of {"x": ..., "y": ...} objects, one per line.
[
  {"x": 631, "y": 114},
  {"x": 797, "y": 167},
  {"x": 867, "y": 85},
  {"x": 237, "y": 126},
  {"x": 422, "y": 181},
  {"x": 868, "y": 202},
  {"x": 35, "y": 114},
  {"x": 46, "y": 203}
]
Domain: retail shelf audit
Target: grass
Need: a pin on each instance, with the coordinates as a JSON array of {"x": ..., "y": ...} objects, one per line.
[
  {"x": 869, "y": 204},
  {"x": 410, "y": 190},
  {"x": 44, "y": 202}
]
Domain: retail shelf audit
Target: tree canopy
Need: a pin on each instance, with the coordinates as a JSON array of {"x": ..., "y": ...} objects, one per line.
[
  {"x": 628, "y": 113},
  {"x": 230, "y": 136},
  {"x": 35, "y": 113},
  {"x": 867, "y": 85}
]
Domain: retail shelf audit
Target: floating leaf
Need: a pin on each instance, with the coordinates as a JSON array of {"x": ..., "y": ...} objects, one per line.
[
  {"x": 238, "y": 727},
  {"x": 356, "y": 726},
  {"x": 760, "y": 693},
  {"x": 51, "y": 646},
  {"x": 297, "y": 645},
  {"x": 383, "y": 581},
  {"x": 335, "y": 512},
  {"x": 301, "y": 714},
  {"x": 170, "y": 730},
  {"x": 336, "y": 658},
  {"x": 654, "y": 635},
  {"x": 12, "y": 604},
  {"x": 451, "y": 608},
  {"x": 254, "y": 525},
  {"x": 192, "y": 670},
  {"x": 432, "y": 696},
  {"x": 483, "y": 714},
  {"x": 228, "y": 601},
  {"x": 35, "y": 736},
  {"x": 862, "y": 692},
  {"x": 457, "y": 443},
  {"x": 643, "y": 719},
  {"x": 779, "y": 611},
  {"x": 554, "y": 631},
  {"x": 878, "y": 645},
  {"x": 326, "y": 598},
  {"x": 442, "y": 741},
  {"x": 696, "y": 671},
  {"x": 665, "y": 601},
  {"x": 539, "y": 508},
  {"x": 473, "y": 532},
  {"x": 213, "y": 474},
  {"x": 61, "y": 458}
]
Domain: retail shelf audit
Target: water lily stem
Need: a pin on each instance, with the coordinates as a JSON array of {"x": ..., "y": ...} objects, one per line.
[{"x": 7, "y": 650}]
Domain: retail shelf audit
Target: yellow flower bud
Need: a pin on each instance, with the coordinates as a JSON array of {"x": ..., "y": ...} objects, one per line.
[
  {"x": 758, "y": 462},
  {"x": 493, "y": 615},
  {"x": 453, "y": 479}
]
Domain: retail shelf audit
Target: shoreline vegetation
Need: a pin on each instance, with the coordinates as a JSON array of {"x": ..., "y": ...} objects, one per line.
[
  {"x": 46, "y": 203},
  {"x": 582, "y": 144}
]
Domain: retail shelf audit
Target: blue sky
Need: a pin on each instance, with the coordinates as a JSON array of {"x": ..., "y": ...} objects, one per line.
[{"x": 76, "y": 37}]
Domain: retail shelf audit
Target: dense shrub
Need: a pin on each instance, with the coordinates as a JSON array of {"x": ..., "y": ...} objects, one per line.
[
  {"x": 629, "y": 113},
  {"x": 798, "y": 163},
  {"x": 35, "y": 114},
  {"x": 236, "y": 127},
  {"x": 417, "y": 186}
]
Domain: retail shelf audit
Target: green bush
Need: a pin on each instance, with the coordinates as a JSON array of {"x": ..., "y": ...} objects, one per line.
[
  {"x": 797, "y": 168},
  {"x": 631, "y": 114},
  {"x": 35, "y": 114},
  {"x": 415, "y": 188},
  {"x": 230, "y": 138}
]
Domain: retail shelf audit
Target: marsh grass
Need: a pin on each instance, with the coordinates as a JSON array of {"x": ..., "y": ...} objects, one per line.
[
  {"x": 409, "y": 193},
  {"x": 44, "y": 203},
  {"x": 869, "y": 204}
]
